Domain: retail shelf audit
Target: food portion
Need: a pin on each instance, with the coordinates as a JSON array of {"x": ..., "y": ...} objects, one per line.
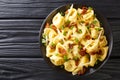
[{"x": 75, "y": 40}]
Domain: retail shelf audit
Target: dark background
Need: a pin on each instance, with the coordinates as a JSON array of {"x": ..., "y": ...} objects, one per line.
[{"x": 20, "y": 22}]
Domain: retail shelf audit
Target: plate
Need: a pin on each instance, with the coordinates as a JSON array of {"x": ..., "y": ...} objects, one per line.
[{"x": 104, "y": 24}]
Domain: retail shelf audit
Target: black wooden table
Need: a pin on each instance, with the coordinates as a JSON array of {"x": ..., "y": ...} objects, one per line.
[{"x": 20, "y": 57}]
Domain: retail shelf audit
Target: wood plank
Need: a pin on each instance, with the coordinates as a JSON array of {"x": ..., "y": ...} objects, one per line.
[
  {"x": 20, "y": 37},
  {"x": 34, "y": 8},
  {"x": 37, "y": 69}
]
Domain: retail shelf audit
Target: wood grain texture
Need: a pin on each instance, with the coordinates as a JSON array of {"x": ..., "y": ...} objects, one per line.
[
  {"x": 20, "y": 37},
  {"x": 37, "y": 69},
  {"x": 41, "y": 8}
]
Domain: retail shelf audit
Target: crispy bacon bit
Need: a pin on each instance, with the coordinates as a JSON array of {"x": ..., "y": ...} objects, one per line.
[
  {"x": 66, "y": 12},
  {"x": 87, "y": 37},
  {"x": 54, "y": 27},
  {"x": 77, "y": 62},
  {"x": 73, "y": 24},
  {"x": 99, "y": 52},
  {"x": 93, "y": 53},
  {"x": 47, "y": 25},
  {"x": 53, "y": 46},
  {"x": 86, "y": 23},
  {"x": 82, "y": 52},
  {"x": 92, "y": 25},
  {"x": 51, "y": 26},
  {"x": 84, "y": 10},
  {"x": 81, "y": 72},
  {"x": 71, "y": 45},
  {"x": 101, "y": 39},
  {"x": 69, "y": 37},
  {"x": 62, "y": 51}
]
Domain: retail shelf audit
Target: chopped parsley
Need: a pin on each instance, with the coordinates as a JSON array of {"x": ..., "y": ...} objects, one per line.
[
  {"x": 80, "y": 47},
  {"x": 78, "y": 14},
  {"x": 43, "y": 35},
  {"x": 51, "y": 26},
  {"x": 88, "y": 27},
  {"x": 62, "y": 27},
  {"x": 76, "y": 40},
  {"x": 79, "y": 31},
  {"x": 43, "y": 40},
  {"x": 98, "y": 29},
  {"x": 75, "y": 58},
  {"x": 52, "y": 45},
  {"x": 94, "y": 22},
  {"x": 65, "y": 33},
  {"x": 71, "y": 27},
  {"x": 69, "y": 49},
  {"x": 82, "y": 22},
  {"x": 62, "y": 14},
  {"x": 56, "y": 54},
  {"x": 65, "y": 58},
  {"x": 67, "y": 23}
]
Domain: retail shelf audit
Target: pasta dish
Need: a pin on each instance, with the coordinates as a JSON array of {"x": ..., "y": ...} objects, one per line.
[{"x": 75, "y": 40}]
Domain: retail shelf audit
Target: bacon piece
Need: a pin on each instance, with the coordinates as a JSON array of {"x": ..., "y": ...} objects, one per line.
[
  {"x": 82, "y": 52},
  {"x": 87, "y": 37},
  {"x": 84, "y": 10},
  {"x": 99, "y": 52},
  {"x": 92, "y": 25},
  {"x": 69, "y": 37},
  {"x": 62, "y": 51},
  {"x": 73, "y": 24},
  {"x": 47, "y": 25},
  {"x": 93, "y": 53},
  {"x": 77, "y": 62},
  {"x": 86, "y": 23},
  {"x": 54, "y": 27},
  {"x": 66, "y": 12},
  {"x": 71, "y": 45},
  {"x": 81, "y": 72}
]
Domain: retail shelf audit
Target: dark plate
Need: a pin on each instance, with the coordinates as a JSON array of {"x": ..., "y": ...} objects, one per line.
[{"x": 104, "y": 24}]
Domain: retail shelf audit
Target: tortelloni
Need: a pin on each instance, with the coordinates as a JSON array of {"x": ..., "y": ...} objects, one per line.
[
  {"x": 70, "y": 65},
  {"x": 71, "y": 15},
  {"x": 75, "y": 40},
  {"x": 58, "y": 20}
]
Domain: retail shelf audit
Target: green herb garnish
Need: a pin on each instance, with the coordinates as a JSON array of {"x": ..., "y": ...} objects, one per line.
[
  {"x": 71, "y": 27},
  {"x": 98, "y": 29},
  {"x": 43, "y": 35},
  {"x": 65, "y": 33},
  {"x": 94, "y": 22},
  {"x": 43, "y": 40},
  {"x": 62, "y": 27},
  {"x": 76, "y": 40},
  {"x": 67, "y": 23},
  {"x": 88, "y": 27},
  {"x": 79, "y": 31},
  {"x": 56, "y": 54},
  {"x": 80, "y": 47},
  {"x": 65, "y": 58},
  {"x": 78, "y": 14},
  {"x": 62, "y": 14},
  {"x": 75, "y": 58}
]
